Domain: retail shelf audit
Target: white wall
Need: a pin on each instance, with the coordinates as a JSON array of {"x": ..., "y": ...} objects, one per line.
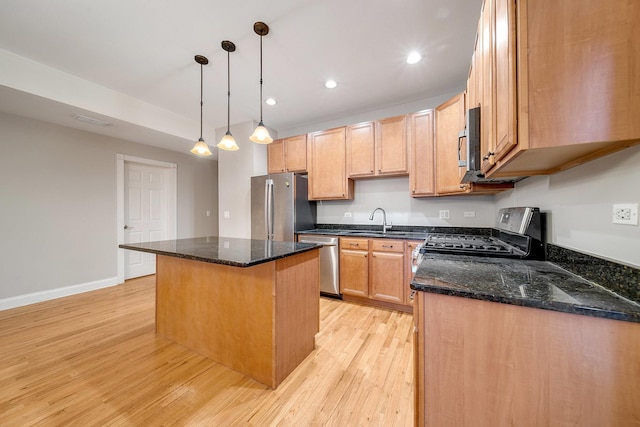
[
  {"x": 58, "y": 206},
  {"x": 235, "y": 169},
  {"x": 374, "y": 114},
  {"x": 392, "y": 194},
  {"x": 580, "y": 205}
]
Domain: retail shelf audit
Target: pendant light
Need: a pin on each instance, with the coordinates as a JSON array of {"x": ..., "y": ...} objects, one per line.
[
  {"x": 228, "y": 142},
  {"x": 201, "y": 148},
  {"x": 261, "y": 134}
]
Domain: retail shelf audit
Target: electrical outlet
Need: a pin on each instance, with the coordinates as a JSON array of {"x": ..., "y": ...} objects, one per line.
[
  {"x": 208, "y": 213},
  {"x": 444, "y": 214},
  {"x": 347, "y": 214},
  {"x": 226, "y": 215},
  {"x": 469, "y": 214},
  {"x": 625, "y": 213}
]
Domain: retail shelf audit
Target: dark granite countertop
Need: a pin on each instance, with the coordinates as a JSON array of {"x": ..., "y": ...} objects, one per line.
[
  {"x": 537, "y": 284},
  {"x": 402, "y": 232},
  {"x": 223, "y": 250}
]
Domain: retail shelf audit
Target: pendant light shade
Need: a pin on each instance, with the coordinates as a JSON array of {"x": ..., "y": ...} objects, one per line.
[
  {"x": 201, "y": 148},
  {"x": 261, "y": 134},
  {"x": 228, "y": 142}
]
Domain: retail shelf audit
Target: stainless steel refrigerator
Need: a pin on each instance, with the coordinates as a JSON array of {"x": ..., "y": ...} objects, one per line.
[{"x": 279, "y": 206}]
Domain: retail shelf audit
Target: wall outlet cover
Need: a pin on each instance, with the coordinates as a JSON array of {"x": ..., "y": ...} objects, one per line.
[
  {"x": 444, "y": 214},
  {"x": 625, "y": 213}
]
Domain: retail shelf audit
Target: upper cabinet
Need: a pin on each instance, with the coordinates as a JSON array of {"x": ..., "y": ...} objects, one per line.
[
  {"x": 449, "y": 122},
  {"x": 287, "y": 155},
  {"x": 391, "y": 146},
  {"x": 422, "y": 163},
  {"x": 559, "y": 83},
  {"x": 327, "y": 166},
  {"x": 377, "y": 148},
  {"x": 275, "y": 157},
  {"x": 361, "y": 149}
]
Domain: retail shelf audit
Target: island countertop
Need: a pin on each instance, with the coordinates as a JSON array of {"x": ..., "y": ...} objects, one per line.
[
  {"x": 529, "y": 283},
  {"x": 223, "y": 250}
]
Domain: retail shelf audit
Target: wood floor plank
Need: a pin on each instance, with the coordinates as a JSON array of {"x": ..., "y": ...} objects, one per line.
[{"x": 94, "y": 360}]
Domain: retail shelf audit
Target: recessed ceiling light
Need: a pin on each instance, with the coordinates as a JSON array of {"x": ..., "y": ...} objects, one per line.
[
  {"x": 330, "y": 84},
  {"x": 271, "y": 101},
  {"x": 413, "y": 58}
]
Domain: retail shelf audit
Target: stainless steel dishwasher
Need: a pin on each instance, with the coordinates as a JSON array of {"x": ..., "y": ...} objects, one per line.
[{"x": 329, "y": 263}]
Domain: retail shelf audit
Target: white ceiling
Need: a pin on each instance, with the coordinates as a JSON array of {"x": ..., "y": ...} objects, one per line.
[{"x": 144, "y": 49}]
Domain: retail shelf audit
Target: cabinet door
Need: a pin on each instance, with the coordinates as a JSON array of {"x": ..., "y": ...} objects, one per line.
[
  {"x": 419, "y": 345},
  {"x": 449, "y": 123},
  {"x": 275, "y": 156},
  {"x": 473, "y": 86},
  {"x": 327, "y": 167},
  {"x": 485, "y": 62},
  {"x": 354, "y": 272},
  {"x": 295, "y": 153},
  {"x": 580, "y": 88},
  {"x": 504, "y": 34},
  {"x": 391, "y": 146},
  {"x": 361, "y": 149},
  {"x": 387, "y": 270},
  {"x": 422, "y": 176}
]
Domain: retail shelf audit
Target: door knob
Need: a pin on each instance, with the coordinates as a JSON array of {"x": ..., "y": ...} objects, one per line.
[{"x": 126, "y": 227}]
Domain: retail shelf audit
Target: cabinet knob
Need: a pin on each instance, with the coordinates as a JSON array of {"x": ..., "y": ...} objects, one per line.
[{"x": 489, "y": 154}]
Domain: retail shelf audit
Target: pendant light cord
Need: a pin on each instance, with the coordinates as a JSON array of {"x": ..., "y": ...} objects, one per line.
[
  {"x": 228, "y": 91},
  {"x": 260, "y": 78},
  {"x": 201, "y": 101}
]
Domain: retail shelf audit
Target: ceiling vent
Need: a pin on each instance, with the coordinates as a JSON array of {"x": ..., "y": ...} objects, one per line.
[{"x": 90, "y": 120}]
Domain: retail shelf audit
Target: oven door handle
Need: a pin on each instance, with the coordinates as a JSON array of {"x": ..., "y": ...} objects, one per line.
[{"x": 416, "y": 259}]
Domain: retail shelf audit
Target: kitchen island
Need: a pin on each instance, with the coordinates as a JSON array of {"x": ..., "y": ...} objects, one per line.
[
  {"x": 521, "y": 342},
  {"x": 251, "y": 305}
]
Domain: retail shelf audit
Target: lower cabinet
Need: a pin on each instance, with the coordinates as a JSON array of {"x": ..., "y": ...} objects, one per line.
[
  {"x": 372, "y": 271},
  {"x": 386, "y": 282},
  {"x": 354, "y": 267},
  {"x": 482, "y": 363}
]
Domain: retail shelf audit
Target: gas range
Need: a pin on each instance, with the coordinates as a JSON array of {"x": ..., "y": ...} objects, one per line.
[{"x": 517, "y": 234}]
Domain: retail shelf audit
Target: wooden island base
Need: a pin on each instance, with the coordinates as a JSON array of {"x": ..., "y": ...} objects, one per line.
[{"x": 260, "y": 321}]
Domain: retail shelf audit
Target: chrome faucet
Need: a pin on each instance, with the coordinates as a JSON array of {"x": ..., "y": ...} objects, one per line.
[{"x": 385, "y": 226}]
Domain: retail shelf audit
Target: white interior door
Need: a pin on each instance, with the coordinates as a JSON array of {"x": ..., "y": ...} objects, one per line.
[{"x": 145, "y": 214}]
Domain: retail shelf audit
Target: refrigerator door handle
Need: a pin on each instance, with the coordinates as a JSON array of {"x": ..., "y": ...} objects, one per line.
[{"x": 268, "y": 211}]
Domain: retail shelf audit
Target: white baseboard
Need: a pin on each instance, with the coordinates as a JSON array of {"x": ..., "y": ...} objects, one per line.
[{"x": 32, "y": 298}]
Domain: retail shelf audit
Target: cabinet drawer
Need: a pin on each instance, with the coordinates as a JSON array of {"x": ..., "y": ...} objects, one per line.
[
  {"x": 387, "y": 245},
  {"x": 349, "y": 243}
]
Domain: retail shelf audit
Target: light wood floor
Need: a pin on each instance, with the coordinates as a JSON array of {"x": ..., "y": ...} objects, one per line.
[{"x": 94, "y": 359}]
